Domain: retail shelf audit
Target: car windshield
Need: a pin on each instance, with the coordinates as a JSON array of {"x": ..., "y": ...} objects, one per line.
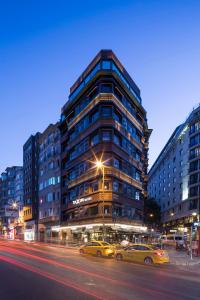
[
  {"x": 155, "y": 247},
  {"x": 105, "y": 244}
]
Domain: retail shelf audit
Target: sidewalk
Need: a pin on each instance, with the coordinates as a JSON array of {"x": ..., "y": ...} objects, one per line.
[
  {"x": 53, "y": 245},
  {"x": 183, "y": 260},
  {"x": 45, "y": 244}
]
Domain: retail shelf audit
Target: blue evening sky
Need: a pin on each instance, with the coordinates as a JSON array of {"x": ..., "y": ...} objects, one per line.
[{"x": 45, "y": 45}]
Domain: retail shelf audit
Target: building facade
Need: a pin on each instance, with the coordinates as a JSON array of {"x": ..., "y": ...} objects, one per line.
[
  {"x": 30, "y": 168},
  {"x": 174, "y": 177},
  {"x": 11, "y": 201},
  {"x": 49, "y": 182},
  {"x": 103, "y": 122},
  {"x": 194, "y": 162}
]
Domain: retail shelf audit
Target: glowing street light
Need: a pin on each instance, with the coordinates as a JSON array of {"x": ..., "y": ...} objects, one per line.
[
  {"x": 14, "y": 205},
  {"x": 194, "y": 214},
  {"x": 99, "y": 164}
]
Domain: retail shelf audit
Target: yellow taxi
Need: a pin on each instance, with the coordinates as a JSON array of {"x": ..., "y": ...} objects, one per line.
[
  {"x": 142, "y": 253},
  {"x": 99, "y": 248}
]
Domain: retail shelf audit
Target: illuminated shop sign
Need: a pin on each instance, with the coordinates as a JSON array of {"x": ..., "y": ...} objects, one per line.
[
  {"x": 81, "y": 200},
  {"x": 29, "y": 235}
]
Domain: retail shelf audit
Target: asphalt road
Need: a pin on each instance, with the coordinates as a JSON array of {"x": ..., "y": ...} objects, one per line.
[{"x": 37, "y": 271}]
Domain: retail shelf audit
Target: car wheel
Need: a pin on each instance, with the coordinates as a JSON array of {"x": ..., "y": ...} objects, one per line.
[
  {"x": 81, "y": 251},
  {"x": 119, "y": 256},
  {"x": 99, "y": 253},
  {"x": 148, "y": 261}
]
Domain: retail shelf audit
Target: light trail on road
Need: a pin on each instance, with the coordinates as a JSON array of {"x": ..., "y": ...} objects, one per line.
[{"x": 97, "y": 277}]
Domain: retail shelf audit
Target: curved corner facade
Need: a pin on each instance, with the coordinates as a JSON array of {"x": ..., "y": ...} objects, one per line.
[{"x": 103, "y": 120}]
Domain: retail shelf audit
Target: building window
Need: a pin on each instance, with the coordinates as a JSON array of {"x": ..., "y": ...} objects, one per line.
[
  {"x": 116, "y": 163},
  {"x": 137, "y": 176},
  {"x": 117, "y": 117},
  {"x": 49, "y": 197},
  {"x": 137, "y": 195},
  {"x": 81, "y": 190},
  {"x": 106, "y": 185},
  {"x": 194, "y": 140},
  {"x": 86, "y": 188},
  {"x": 116, "y": 140},
  {"x": 115, "y": 186},
  {"x": 95, "y": 186},
  {"x": 106, "y": 64},
  {"x": 72, "y": 194},
  {"x": 194, "y": 178},
  {"x": 106, "y": 210},
  {"x": 95, "y": 140},
  {"x": 193, "y": 166},
  {"x": 94, "y": 116},
  {"x": 106, "y": 135},
  {"x": 106, "y": 88},
  {"x": 106, "y": 111},
  {"x": 194, "y": 191},
  {"x": 93, "y": 210}
]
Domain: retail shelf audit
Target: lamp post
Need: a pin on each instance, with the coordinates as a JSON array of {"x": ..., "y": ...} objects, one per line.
[
  {"x": 194, "y": 214},
  {"x": 151, "y": 223},
  {"x": 100, "y": 166},
  {"x": 14, "y": 206}
]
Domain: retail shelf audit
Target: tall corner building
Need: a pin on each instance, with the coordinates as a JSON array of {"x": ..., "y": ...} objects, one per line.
[
  {"x": 103, "y": 120},
  {"x": 174, "y": 179},
  {"x": 30, "y": 168}
]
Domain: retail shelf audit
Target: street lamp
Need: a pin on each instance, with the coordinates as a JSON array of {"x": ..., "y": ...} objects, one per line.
[
  {"x": 99, "y": 164},
  {"x": 14, "y": 205},
  {"x": 194, "y": 214}
]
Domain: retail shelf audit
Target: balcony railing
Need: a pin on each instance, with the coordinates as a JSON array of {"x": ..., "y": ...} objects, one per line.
[{"x": 91, "y": 174}]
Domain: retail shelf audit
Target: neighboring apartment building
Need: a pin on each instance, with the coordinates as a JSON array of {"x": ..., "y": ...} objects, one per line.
[
  {"x": 49, "y": 182},
  {"x": 19, "y": 187},
  {"x": 103, "y": 118},
  {"x": 30, "y": 167},
  {"x": 194, "y": 161},
  {"x": 11, "y": 199},
  {"x": 174, "y": 177}
]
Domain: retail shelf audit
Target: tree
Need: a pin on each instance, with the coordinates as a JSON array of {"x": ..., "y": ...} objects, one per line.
[{"x": 152, "y": 212}]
